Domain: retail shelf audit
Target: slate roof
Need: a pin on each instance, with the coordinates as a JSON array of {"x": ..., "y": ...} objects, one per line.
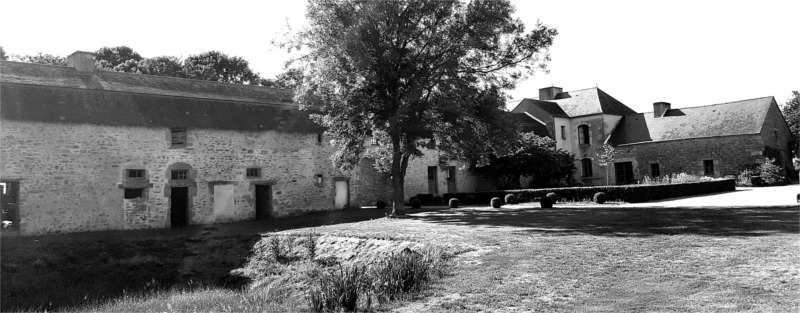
[
  {"x": 530, "y": 125},
  {"x": 577, "y": 103},
  {"x": 63, "y": 76},
  {"x": 724, "y": 119}
]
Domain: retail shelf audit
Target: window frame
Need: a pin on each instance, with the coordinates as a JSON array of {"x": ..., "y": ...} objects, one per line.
[
  {"x": 177, "y": 173},
  {"x": 708, "y": 164},
  {"x": 655, "y": 169},
  {"x": 584, "y": 137},
  {"x": 586, "y": 167},
  {"x": 141, "y": 173},
  {"x": 563, "y": 132},
  {"x": 178, "y": 132},
  {"x": 252, "y": 172}
]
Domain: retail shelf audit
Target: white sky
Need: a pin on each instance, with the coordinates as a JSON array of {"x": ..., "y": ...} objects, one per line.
[{"x": 688, "y": 53}]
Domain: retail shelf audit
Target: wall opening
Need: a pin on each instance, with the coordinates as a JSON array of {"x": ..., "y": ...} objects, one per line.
[
  {"x": 342, "y": 198},
  {"x": 624, "y": 172},
  {"x": 179, "y": 205},
  {"x": 433, "y": 181},
  {"x": 9, "y": 204},
  {"x": 263, "y": 202}
]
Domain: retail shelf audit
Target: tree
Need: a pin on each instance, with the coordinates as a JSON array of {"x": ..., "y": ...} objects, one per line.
[
  {"x": 161, "y": 66},
  {"x": 218, "y": 66},
  {"x": 42, "y": 58},
  {"x": 289, "y": 79},
  {"x": 791, "y": 111},
  {"x": 606, "y": 158},
  {"x": 3, "y": 55},
  {"x": 118, "y": 59},
  {"x": 530, "y": 156},
  {"x": 411, "y": 71}
]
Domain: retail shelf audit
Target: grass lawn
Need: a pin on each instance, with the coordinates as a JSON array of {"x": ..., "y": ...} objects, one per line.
[{"x": 512, "y": 260}]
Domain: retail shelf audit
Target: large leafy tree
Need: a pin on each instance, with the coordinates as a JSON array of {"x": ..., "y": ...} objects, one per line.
[
  {"x": 3, "y": 55},
  {"x": 42, "y": 58},
  {"x": 161, "y": 66},
  {"x": 118, "y": 59},
  {"x": 791, "y": 112},
  {"x": 218, "y": 66},
  {"x": 529, "y": 156},
  {"x": 409, "y": 71}
]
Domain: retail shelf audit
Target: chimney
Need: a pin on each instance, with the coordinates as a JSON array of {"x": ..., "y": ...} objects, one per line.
[
  {"x": 549, "y": 93},
  {"x": 82, "y": 61},
  {"x": 660, "y": 108}
]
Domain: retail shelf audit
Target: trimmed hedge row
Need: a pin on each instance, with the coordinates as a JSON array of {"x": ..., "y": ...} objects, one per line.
[{"x": 625, "y": 193}]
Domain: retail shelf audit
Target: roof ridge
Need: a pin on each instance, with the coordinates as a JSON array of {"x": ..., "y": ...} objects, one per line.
[{"x": 709, "y": 105}]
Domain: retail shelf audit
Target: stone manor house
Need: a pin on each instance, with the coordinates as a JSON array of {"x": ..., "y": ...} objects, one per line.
[{"x": 86, "y": 150}]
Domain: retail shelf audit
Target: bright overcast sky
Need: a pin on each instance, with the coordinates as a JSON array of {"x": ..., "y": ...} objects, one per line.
[{"x": 688, "y": 53}]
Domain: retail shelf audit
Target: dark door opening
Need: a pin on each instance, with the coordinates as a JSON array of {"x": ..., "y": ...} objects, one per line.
[
  {"x": 433, "y": 180},
  {"x": 263, "y": 202},
  {"x": 179, "y": 205},
  {"x": 9, "y": 194},
  {"x": 451, "y": 179},
  {"x": 624, "y": 171}
]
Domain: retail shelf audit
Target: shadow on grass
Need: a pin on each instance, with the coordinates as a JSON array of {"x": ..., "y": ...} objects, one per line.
[
  {"x": 60, "y": 272},
  {"x": 629, "y": 221}
]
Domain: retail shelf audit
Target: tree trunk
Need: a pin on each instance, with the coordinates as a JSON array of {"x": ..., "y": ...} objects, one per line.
[{"x": 398, "y": 192}]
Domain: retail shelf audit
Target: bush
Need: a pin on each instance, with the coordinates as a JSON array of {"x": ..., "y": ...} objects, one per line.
[
  {"x": 437, "y": 200},
  {"x": 470, "y": 199},
  {"x": 770, "y": 173},
  {"x": 511, "y": 198},
  {"x": 415, "y": 203},
  {"x": 744, "y": 179},
  {"x": 496, "y": 203},
  {"x": 600, "y": 197},
  {"x": 380, "y": 204},
  {"x": 546, "y": 203},
  {"x": 338, "y": 289},
  {"x": 552, "y": 196},
  {"x": 453, "y": 203},
  {"x": 425, "y": 198}
]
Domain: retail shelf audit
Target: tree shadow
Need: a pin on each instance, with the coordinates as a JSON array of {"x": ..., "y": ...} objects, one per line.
[{"x": 630, "y": 221}]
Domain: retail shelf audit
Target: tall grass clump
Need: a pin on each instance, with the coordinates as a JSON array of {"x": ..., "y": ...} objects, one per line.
[{"x": 339, "y": 289}]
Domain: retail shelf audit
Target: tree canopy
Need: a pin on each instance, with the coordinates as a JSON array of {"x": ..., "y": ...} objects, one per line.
[
  {"x": 41, "y": 58},
  {"x": 411, "y": 71},
  {"x": 218, "y": 66},
  {"x": 530, "y": 156},
  {"x": 3, "y": 55},
  {"x": 791, "y": 112},
  {"x": 118, "y": 59}
]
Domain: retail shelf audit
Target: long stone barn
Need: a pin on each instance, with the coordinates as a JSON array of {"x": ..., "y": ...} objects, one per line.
[{"x": 86, "y": 150}]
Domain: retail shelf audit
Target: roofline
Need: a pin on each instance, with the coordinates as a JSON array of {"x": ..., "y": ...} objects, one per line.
[
  {"x": 692, "y": 138},
  {"x": 293, "y": 105},
  {"x": 147, "y": 75},
  {"x": 534, "y": 118},
  {"x": 708, "y": 105}
]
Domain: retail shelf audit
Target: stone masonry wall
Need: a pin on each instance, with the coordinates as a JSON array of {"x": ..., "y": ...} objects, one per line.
[
  {"x": 71, "y": 174},
  {"x": 730, "y": 154}
]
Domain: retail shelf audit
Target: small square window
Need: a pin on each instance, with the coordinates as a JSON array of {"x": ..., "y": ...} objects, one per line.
[
  {"x": 253, "y": 172},
  {"x": 133, "y": 193},
  {"x": 655, "y": 170},
  {"x": 180, "y": 174},
  {"x": 135, "y": 173},
  {"x": 178, "y": 136},
  {"x": 318, "y": 179}
]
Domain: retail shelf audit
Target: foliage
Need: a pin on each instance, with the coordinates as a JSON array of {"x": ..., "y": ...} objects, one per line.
[
  {"x": 496, "y": 203},
  {"x": 600, "y": 198},
  {"x": 791, "y": 112},
  {"x": 289, "y": 79},
  {"x": 529, "y": 156},
  {"x": 3, "y": 55},
  {"x": 161, "y": 66},
  {"x": 511, "y": 198},
  {"x": 769, "y": 173},
  {"x": 552, "y": 196},
  {"x": 218, "y": 66},
  {"x": 453, "y": 203},
  {"x": 414, "y": 70},
  {"x": 673, "y": 178},
  {"x": 42, "y": 58},
  {"x": 546, "y": 202},
  {"x": 437, "y": 200},
  {"x": 744, "y": 178},
  {"x": 470, "y": 199},
  {"x": 416, "y": 203},
  {"x": 606, "y": 158},
  {"x": 380, "y": 204},
  {"x": 117, "y": 59}
]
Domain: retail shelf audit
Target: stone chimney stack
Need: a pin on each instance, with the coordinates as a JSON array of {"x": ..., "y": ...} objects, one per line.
[
  {"x": 82, "y": 61},
  {"x": 660, "y": 108},
  {"x": 549, "y": 93}
]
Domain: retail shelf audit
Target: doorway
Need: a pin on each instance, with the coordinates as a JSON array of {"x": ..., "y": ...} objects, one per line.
[
  {"x": 342, "y": 194},
  {"x": 9, "y": 204},
  {"x": 263, "y": 202},
  {"x": 624, "y": 172},
  {"x": 179, "y": 204},
  {"x": 451, "y": 179},
  {"x": 433, "y": 180}
]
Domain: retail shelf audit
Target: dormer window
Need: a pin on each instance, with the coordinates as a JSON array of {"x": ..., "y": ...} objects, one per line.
[{"x": 583, "y": 135}]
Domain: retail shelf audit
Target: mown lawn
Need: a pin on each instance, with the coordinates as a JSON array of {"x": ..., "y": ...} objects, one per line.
[{"x": 512, "y": 260}]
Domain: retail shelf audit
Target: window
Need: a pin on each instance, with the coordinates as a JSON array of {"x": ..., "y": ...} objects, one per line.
[
  {"x": 319, "y": 138},
  {"x": 318, "y": 179},
  {"x": 708, "y": 167},
  {"x": 253, "y": 172},
  {"x": 135, "y": 173},
  {"x": 586, "y": 167},
  {"x": 624, "y": 171},
  {"x": 655, "y": 170},
  {"x": 178, "y": 136},
  {"x": 563, "y": 132},
  {"x": 583, "y": 134},
  {"x": 373, "y": 141},
  {"x": 133, "y": 193},
  {"x": 180, "y": 174}
]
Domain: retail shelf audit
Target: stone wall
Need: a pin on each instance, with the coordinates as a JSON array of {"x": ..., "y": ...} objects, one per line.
[
  {"x": 730, "y": 155},
  {"x": 73, "y": 175}
]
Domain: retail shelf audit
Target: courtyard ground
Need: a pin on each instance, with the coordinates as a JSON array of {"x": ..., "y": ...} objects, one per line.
[{"x": 594, "y": 259}]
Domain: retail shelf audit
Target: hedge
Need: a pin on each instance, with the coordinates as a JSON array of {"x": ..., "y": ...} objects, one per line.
[{"x": 625, "y": 193}]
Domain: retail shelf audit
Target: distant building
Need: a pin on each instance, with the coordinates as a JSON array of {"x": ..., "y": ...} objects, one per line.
[{"x": 715, "y": 140}]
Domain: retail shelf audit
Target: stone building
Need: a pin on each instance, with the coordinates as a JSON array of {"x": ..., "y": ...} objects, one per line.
[
  {"x": 85, "y": 150},
  {"x": 714, "y": 140}
]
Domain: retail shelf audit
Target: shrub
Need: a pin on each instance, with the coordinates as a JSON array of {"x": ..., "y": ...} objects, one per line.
[
  {"x": 310, "y": 244},
  {"x": 415, "y": 203},
  {"x": 437, "y": 200},
  {"x": 744, "y": 179},
  {"x": 496, "y": 203},
  {"x": 511, "y": 198},
  {"x": 546, "y": 203},
  {"x": 600, "y": 197},
  {"x": 338, "y": 289},
  {"x": 425, "y": 198},
  {"x": 453, "y": 203},
  {"x": 380, "y": 204},
  {"x": 405, "y": 272},
  {"x": 769, "y": 173},
  {"x": 552, "y": 196},
  {"x": 470, "y": 199}
]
